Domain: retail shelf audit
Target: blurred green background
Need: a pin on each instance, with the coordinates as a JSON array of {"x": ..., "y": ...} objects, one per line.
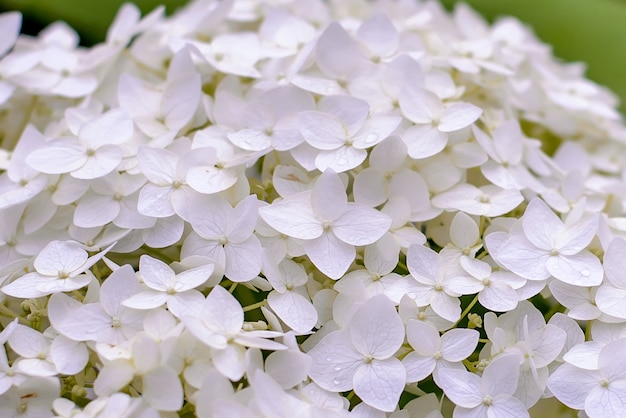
[{"x": 591, "y": 31}]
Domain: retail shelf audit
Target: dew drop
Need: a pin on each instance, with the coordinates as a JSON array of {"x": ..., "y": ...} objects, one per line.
[
  {"x": 585, "y": 272},
  {"x": 338, "y": 368},
  {"x": 336, "y": 381},
  {"x": 373, "y": 137},
  {"x": 329, "y": 359},
  {"x": 342, "y": 161}
]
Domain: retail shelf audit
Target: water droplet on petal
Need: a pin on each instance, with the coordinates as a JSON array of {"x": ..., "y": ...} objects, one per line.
[
  {"x": 336, "y": 381},
  {"x": 329, "y": 359},
  {"x": 585, "y": 272},
  {"x": 338, "y": 368},
  {"x": 342, "y": 161},
  {"x": 373, "y": 137}
]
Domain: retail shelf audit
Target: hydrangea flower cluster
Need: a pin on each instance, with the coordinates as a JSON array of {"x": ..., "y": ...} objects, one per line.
[{"x": 279, "y": 208}]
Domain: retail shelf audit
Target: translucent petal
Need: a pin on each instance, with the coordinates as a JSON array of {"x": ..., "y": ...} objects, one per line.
[
  {"x": 293, "y": 217},
  {"x": 113, "y": 127},
  {"x": 418, "y": 367},
  {"x": 162, "y": 389},
  {"x": 321, "y": 130},
  {"x": 243, "y": 259},
  {"x": 334, "y": 362},
  {"x": 60, "y": 256},
  {"x": 462, "y": 387},
  {"x": 58, "y": 156},
  {"x": 95, "y": 210},
  {"x": 376, "y": 329},
  {"x": 423, "y": 141},
  {"x": 330, "y": 255},
  {"x": 582, "y": 269},
  {"x": 458, "y": 344},
  {"x": 521, "y": 257},
  {"x": 380, "y": 383},
  {"x": 541, "y": 226},
  {"x": 293, "y": 309},
  {"x": 360, "y": 225},
  {"x": 500, "y": 376},
  {"x": 328, "y": 197},
  {"x": 104, "y": 160},
  {"x": 459, "y": 116}
]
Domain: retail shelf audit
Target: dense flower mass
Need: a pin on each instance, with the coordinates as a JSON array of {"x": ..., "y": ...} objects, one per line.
[{"x": 279, "y": 208}]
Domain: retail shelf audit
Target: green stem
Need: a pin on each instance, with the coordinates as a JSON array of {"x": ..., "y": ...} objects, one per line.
[
  {"x": 254, "y": 306},
  {"x": 467, "y": 310},
  {"x": 232, "y": 287}
]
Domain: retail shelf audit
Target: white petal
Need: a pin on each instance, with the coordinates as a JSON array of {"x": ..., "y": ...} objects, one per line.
[
  {"x": 463, "y": 231},
  {"x": 58, "y": 156},
  {"x": 501, "y": 375},
  {"x": 423, "y": 337},
  {"x": 607, "y": 401},
  {"x": 582, "y": 269},
  {"x": 293, "y": 217},
  {"x": 60, "y": 256},
  {"x": 113, "y": 127},
  {"x": 341, "y": 159},
  {"x": 498, "y": 297},
  {"x": 155, "y": 273},
  {"x": 321, "y": 130},
  {"x": 192, "y": 278},
  {"x": 95, "y": 210},
  {"x": 328, "y": 197},
  {"x": 157, "y": 164},
  {"x": 9, "y": 30},
  {"x": 571, "y": 385},
  {"x": 379, "y": 34},
  {"x": 180, "y": 101},
  {"x": 380, "y": 383},
  {"x": 334, "y": 362},
  {"x": 102, "y": 162},
  {"x": 376, "y": 329},
  {"x": 463, "y": 388},
  {"x": 541, "y": 226},
  {"x": 70, "y": 357},
  {"x": 162, "y": 389},
  {"x": 294, "y": 310},
  {"x": 243, "y": 260},
  {"x": 521, "y": 257},
  {"x": 27, "y": 342},
  {"x": 423, "y": 141},
  {"x": 113, "y": 377},
  {"x": 250, "y": 139},
  {"x": 148, "y": 299},
  {"x": 459, "y": 116},
  {"x": 376, "y": 130},
  {"x": 610, "y": 300},
  {"x": 288, "y": 367},
  {"x": 369, "y": 187},
  {"x": 423, "y": 263},
  {"x": 458, "y": 344},
  {"x": 578, "y": 235},
  {"x": 330, "y": 255},
  {"x": 222, "y": 312},
  {"x": 361, "y": 225},
  {"x": 210, "y": 179},
  {"x": 418, "y": 367},
  {"x": 508, "y": 407},
  {"x": 614, "y": 262},
  {"x": 337, "y": 53},
  {"x": 155, "y": 201}
]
